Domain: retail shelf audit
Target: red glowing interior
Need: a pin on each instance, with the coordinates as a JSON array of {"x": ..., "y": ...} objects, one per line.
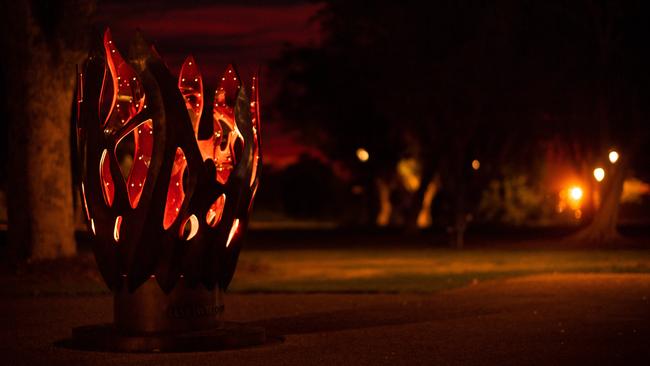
[
  {"x": 175, "y": 193},
  {"x": 223, "y": 116},
  {"x": 190, "y": 84},
  {"x": 141, "y": 158},
  {"x": 122, "y": 98},
  {"x": 213, "y": 217},
  {"x": 126, "y": 94}
]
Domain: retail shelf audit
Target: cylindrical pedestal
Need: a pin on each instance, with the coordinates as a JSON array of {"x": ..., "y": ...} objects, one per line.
[
  {"x": 148, "y": 320},
  {"x": 149, "y": 310}
]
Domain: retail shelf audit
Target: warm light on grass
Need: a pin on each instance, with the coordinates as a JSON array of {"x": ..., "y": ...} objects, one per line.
[
  {"x": 416, "y": 270},
  {"x": 357, "y": 270},
  {"x": 599, "y": 174}
]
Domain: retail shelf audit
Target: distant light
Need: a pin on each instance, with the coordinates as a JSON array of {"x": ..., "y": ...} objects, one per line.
[
  {"x": 599, "y": 174},
  {"x": 575, "y": 193},
  {"x": 362, "y": 155},
  {"x": 476, "y": 164},
  {"x": 613, "y": 156}
]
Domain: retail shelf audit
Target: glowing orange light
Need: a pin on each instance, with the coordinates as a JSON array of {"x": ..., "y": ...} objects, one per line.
[
  {"x": 216, "y": 210},
  {"x": 575, "y": 193},
  {"x": 190, "y": 228},
  {"x": 116, "y": 140},
  {"x": 599, "y": 174},
  {"x": 613, "y": 156},
  {"x": 233, "y": 231},
  {"x": 476, "y": 164},
  {"x": 116, "y": 229},
  {"x": 362, "y": 155},
  {"x": 175, "y": 192}
]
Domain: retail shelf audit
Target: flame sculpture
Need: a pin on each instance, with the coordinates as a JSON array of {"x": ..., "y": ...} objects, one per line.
[{"x": 167, "y": 188}]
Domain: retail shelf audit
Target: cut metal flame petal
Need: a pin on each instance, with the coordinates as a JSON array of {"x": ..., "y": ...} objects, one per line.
[
  {"x": 141, "y": 157},
  {"x": 173, "y": 222},
  {"x": 175, "y": 193},
  {"x": 190, "y": 83},
  {"x": 83, "y": 196},
  {"x": 255, "y": 118},
  {"x": 125, "y": 91},
  {"x": 108, "y": 189},
  {"x": 225, "y": 126}
]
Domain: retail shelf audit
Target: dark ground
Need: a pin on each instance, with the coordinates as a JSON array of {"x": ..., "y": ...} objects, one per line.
[
  {"x": 562, "y": 319},
  {"x": 553, "y": 306}
]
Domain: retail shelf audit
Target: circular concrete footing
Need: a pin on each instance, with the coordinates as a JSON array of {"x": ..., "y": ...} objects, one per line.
[{"x": 106, "y": 337}]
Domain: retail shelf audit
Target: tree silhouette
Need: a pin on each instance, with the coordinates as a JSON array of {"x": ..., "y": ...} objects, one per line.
[
  {"x": 42, "y": 42},
  {"x": 464, "y": 80}
]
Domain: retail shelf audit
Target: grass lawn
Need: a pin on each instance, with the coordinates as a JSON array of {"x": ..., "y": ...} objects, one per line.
[
  {"x": 416, "y": 270},
  {"x": 351, "y": 270}
]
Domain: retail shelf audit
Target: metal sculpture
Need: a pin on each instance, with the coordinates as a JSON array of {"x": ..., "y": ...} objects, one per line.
[{"x": 167, "y": 189}]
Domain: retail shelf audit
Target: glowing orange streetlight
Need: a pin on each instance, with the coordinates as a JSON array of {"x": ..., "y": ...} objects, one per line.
[
  {"x": 476, "y": 164},
  {"x": 363, "y": 155},
  {"x": 575, "y": 194},
  {"x": 613, "y": 156},
  {"x": 599, "y": 174}
]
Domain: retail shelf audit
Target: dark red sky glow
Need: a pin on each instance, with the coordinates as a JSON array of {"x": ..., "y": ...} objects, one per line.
[
  {"x": 218, "y": 34},
  {"x": 215, "y": 34}
]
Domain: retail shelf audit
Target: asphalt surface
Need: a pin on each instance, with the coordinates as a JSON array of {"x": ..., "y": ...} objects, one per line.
[{"x": 555, "y": 319}]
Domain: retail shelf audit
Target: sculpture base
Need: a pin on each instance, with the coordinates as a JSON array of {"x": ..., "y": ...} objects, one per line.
[
  {"x": 150, "y": 320},
  {"x": 108, "y": 339},
  {"x": 150, "y": 310}
]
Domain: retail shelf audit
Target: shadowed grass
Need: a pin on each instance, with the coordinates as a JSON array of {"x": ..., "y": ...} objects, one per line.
[
  {"x": 349, "y": 270},
  {"x": 416, "y": 270}
]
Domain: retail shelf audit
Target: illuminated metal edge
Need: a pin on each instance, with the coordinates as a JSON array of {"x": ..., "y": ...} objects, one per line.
[{"x": 146, "y": 249}]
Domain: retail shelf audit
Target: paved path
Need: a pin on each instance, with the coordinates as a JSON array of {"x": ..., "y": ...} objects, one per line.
[{"x": 569, "y": 319}]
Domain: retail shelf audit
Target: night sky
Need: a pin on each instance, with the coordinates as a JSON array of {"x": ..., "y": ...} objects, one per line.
[{"x": 247, "y": 33}]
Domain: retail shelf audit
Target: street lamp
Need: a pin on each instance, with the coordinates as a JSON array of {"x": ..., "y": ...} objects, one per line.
[
  {"x": 613, "y": 156},
  {"x": 476, "y": 164},
  {"x": 363, "y": 155},
  {"x": 599, "y": 174},
  {"x": 575, "y": 193}
]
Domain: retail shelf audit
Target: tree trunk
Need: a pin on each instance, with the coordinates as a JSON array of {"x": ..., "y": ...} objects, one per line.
[
  {"x": 602, "y": 229},
  {"x": 40, "y": 72},
  {"x": 385, "y": 207},
  {"x": 419, "y": 215},
  {"x": 424, "y": 216},
  {"x": 460, "y": 223}
]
